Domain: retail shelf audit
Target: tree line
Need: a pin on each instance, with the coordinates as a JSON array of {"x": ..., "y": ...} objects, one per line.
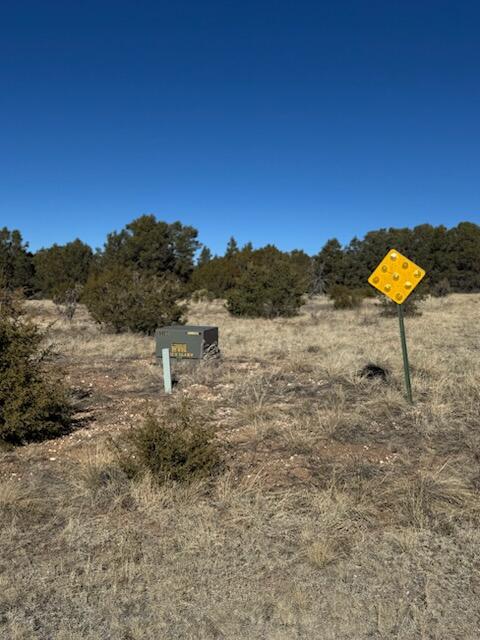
[{"x": 149, "y": 256}]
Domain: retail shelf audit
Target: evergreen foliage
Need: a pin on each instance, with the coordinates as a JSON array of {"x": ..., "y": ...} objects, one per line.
[
  {"x": 344, "y": 297},
  {"x": 329, "y": 266},
  {"x": 461, "y": 265},
  {"x": 62, "y": 268},
  {"x": 126, "y": 300},
  {"x": 33, "y": 401},
  {"x": 232, "y": 248},
  {"x": 152, "y": 247},
  {"x": 218, "y": 275},
  {"x": 453, "y": 254},
  {"x": 303, "y": 266},
  {"x": 268, "y": 287},
  {"x": 16, "y": 267},
  {"x": 204, "y": 257},
  {"x": 155, "y": 248}
]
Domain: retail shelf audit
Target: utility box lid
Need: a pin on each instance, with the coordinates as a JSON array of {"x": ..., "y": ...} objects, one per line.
[{"x": 187, "y": 341}]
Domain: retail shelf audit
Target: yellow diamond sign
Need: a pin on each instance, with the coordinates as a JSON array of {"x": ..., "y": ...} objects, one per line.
[{"x": 396, "y": 276}]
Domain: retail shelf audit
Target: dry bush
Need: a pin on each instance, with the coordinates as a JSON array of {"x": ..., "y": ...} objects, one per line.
[
  {"x": 12, "y": 495},
  {"x": 202, "y": 295},
  {"x": 104, "y": 482},
  {"x": 428, "y": 499},
  {"x": 177, "y": 447},
  {"x": 338, "y": 521},
  {"x": 66, "y": 300}
]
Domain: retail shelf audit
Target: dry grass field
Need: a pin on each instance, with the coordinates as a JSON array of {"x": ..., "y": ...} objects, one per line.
[{"x": 342, "y": 513}]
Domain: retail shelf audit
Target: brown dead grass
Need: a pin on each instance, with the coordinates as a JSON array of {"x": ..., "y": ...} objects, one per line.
[{"x": 343, "y": 513}]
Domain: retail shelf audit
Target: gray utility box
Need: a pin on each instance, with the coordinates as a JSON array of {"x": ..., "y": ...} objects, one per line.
[{"x": 190, "y": 342}]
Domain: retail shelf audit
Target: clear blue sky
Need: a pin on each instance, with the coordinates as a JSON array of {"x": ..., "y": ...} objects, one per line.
[{"x": 284, "y": 122}]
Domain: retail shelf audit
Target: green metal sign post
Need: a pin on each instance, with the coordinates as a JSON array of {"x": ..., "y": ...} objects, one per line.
[
  {"x": 406, "y": 365},
  {"x": 396, "y": 277}
]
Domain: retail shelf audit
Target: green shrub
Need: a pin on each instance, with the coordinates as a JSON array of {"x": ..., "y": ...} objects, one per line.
[
  {"x": 62, "y": 267},
  {"x": 178, "y": 447},
  {"x": 153, "y": 247},
  {"x": 33, "y": 401},
  {"x": 123, "y": 300},
  {"x": 346, "y": 298},
  {"x": 217, "y": 275},
  {"x": 266, "y": 291},
  {"x": 16, "y": 268}
]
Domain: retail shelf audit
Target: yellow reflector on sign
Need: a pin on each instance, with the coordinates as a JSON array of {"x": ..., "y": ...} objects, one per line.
[{"x": 396, "y": 276}]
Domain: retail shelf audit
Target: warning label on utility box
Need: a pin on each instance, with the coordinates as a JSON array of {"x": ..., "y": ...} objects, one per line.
[{"x": 179, "y": 350}]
